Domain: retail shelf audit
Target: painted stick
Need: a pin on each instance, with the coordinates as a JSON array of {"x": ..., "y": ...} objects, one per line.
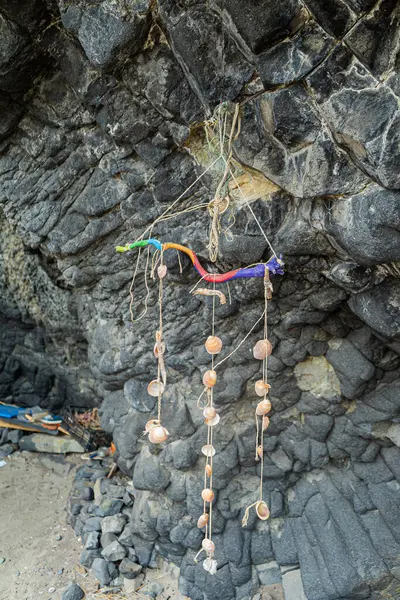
[{"x": 274, "y": 265}]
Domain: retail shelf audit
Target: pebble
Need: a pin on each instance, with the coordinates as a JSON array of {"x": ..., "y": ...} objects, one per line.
[
  {"x": 74, "y": 592},
  {"x": 58, "y": 538},
  {"x": 2, "y": 560},
  {"x": 60, "y": 571},
  {"x": 52, "y": 590}
]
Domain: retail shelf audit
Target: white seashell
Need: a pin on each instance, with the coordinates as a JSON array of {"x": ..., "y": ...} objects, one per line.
[
  {"x": 214, "y": 421},
  {"x": 209, "y": 412},
  {"x": 202, "y": 520},
  {"x": 208, "y": 545},
  {"x": 158, "y": 435},
  {"x": 261, "y": 387},
  {"x": 263, "y": 407},
  {"x": 265, "y": 423},
  {"x": 213, "y": 344},
  {"x": 162, "y": 271},
  {"x": 208, "y": 450},
  {"x": 210, "y": 565},
  {"x": 208, "y": 495},
  {"x": 155, "y": 387},
  {"x": 262, "y": 349},
  {"x": 151, "y": 424},
  {"x": 210, "y": 378},
  {"x": 262, "y": 510}
]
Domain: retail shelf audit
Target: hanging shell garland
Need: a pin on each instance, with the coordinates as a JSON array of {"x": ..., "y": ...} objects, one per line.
[
  {"x": 262, "y": 510},
  {"x": 155, "y": 387},
  {"x": 261, "y": 387},
  {"x": 207, "y": 495},
  {"x": 210, "y": 378},
  {"x": 262, "y": 349},
  {"x": 263, "y": 407},
  {"x": 213, "y": 344}
]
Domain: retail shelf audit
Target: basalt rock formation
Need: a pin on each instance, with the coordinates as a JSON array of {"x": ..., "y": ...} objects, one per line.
[{"x": 101, "y": 129}]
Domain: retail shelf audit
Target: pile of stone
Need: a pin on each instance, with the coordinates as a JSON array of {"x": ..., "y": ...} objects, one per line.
[
  {"x": 9, "y": 440},
  {"x": 99, "y": 511},
  {"x": 15, "y": 439}
]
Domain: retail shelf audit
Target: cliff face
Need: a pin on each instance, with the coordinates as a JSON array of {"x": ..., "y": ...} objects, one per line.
[{"x": 102, "y": 112}]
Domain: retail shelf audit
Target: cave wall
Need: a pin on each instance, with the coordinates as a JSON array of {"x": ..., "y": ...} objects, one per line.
[{"x": 100, "y": 131}]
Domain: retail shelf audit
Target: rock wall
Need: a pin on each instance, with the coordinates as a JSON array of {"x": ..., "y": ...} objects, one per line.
[{"x": 101, "y": 129}]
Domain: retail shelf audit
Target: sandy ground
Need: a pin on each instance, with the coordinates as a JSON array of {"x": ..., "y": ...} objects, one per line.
[
  {"x": 38, "y": 564},
  {"x": 33, "y": 497}
]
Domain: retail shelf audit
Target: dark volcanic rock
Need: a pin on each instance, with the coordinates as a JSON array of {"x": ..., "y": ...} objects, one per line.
[
  {"x": 104, "y": 571},
  {"x": 73, "y": 592},
  {"x": 293, "y": 58},
  {"x": 223, "y": 71},
  {"x": 106, "y": 30},
  {"x": 368, "y": 305},
  {"x": 283, "y": 136},
  {"x": 111, "y": 113}
]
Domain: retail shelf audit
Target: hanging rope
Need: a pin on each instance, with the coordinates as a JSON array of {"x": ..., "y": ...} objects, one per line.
[{"x": 220, "y": 203}]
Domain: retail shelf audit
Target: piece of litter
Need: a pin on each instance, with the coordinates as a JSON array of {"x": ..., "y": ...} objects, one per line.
[
  {"x": 2, "y": 463},
  {"x": 52, "y": 590},
  {"x": 2, "y": 560}
]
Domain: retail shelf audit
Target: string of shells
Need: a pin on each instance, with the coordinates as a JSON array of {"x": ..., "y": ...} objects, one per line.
[
  {"x": 156, "y": 432},
  {"x": 261, "y": 351},
  {"x": 213, "y": 346}
]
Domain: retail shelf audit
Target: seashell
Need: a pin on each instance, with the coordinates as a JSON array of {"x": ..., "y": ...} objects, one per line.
[
  {"x": 202, "y": 521},
  {"x": 208, "y": 545},
  {"x": 208, "y": 470},
  {"x": 262, "y": 510},
  {"x": 155, "y": 387},
  {"x": 214, "y": 421},
  {"x": 150, "y": 425},
  {"x": 210, "y": 378},
  {"x": 213, "y": 344},
  {"x": 209, "y": 412},
  {"x": 262, "y": 349},
  {"x": 158, "y": 435},
  {"x": 162, "y": 271},
  {"x": 157, "y": 347},
  {"x": 259, "y": 451},
  {"x": 210, "y": 565},
  {"x": 263, "y": 407},
  {"x": 261, "y": 387},
  {"x": 207, "y": 495},
  {"x": 208, "y": 450},
  {"x": 265, "y": 423}
]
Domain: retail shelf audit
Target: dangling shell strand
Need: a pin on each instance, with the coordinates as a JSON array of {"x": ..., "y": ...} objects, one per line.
[
  {"x": 213, "y": 346},
  {"x": 157, "y": 433},
  {"x": 261, "y": 351}
]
